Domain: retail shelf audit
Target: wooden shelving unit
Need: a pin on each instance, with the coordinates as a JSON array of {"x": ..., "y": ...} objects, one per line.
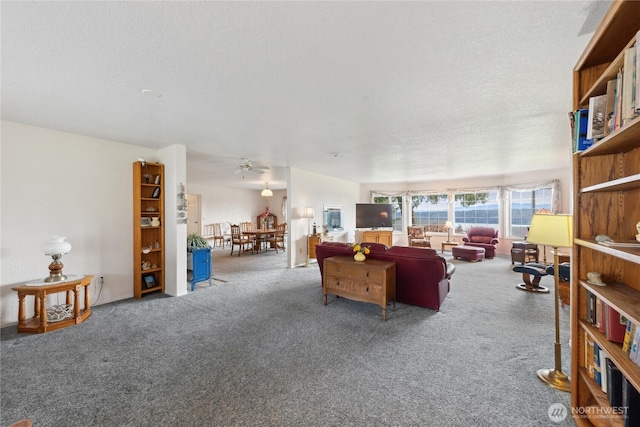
[
  {"x": 607, "y": 201},
  {"x": 148, "y": 203}
]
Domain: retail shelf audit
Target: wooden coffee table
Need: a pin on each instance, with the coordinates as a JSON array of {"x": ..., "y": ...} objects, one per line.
[{"x": 450, "y": 244}]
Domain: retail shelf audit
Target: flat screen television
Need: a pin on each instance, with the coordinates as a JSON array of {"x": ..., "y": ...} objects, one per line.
[{"x": 373, "y": 215}]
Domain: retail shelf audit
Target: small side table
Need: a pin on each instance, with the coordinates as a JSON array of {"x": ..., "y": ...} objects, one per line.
[
  {"x": 524, "y": 252},
  {"x": 449, "y": 244},
  {"x": 39, "y": 323}
]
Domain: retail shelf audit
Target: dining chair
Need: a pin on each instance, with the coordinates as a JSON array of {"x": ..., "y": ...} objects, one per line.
[
  {"x": 252, "y": 238},
  {"x": 278, "y": 238},
  {"x": 217, "y": 234},
  {"x": 237, "y": 239}
]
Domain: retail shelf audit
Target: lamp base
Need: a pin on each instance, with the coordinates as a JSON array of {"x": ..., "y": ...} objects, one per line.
[
  {"x": 55, "y": 271},
  {"x": 55, "y": 278},
  {"x": 555, "y": 379}
]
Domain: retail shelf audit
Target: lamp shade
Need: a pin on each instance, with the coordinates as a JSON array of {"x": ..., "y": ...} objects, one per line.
[
  {"x": 551, "y": 230},
  {"x": 266, "y": 192},
  {"x": 56, "y": 246},
  {"x": 448, "y": 225},
  {"x": 308, "y": 213}
]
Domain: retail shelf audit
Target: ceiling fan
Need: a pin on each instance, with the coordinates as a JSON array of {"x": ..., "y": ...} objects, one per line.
[{"x": 247, "y": 166}]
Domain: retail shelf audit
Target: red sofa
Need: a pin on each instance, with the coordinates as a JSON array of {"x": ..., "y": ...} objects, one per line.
[
  {"x": 422, "y": 276},
  {"x": 482, "y": 237}
]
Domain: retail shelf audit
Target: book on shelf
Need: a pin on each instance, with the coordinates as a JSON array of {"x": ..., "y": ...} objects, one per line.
[
  {"x": 633, "y": 353},
  {"x": 629, "y": 333},
  {"x": 591, "y": 308},
  {"x": 599, "y": 317},
  {"x": 581, "y": 120},
  {"x": 596, "y": 122},
  {"x": 604, "y": 360},
  {"x": 628, "y": 85},
  {"x": 617, "y": 109},
  {"x": 616, "y": 325},
  {"x": 610, "y": 106},
  {"x": 631, "y": 403},
  {"x": 597, "y": 370},
  {"x": 614, "y": 384},
  {"x": 588, "y": 355}
]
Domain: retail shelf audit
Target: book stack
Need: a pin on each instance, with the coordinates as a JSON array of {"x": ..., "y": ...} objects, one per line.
[
  {"x": 614, "y": 109},
  {"x": 623, "y": 398}
]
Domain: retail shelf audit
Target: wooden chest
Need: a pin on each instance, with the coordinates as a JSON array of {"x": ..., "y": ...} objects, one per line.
[{"x": 369, "y": 281}]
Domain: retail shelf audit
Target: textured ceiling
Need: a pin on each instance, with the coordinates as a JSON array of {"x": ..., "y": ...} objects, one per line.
[{"x": 365, "y": 91}]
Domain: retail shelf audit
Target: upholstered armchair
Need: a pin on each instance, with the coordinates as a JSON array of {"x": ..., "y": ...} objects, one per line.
[
  {"x": 417, "y": 237},
  {"x": 483, "y": 237}
]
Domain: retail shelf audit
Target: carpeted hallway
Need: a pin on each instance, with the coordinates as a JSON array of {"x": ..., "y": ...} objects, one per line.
[{"x": 258, "y": 348}]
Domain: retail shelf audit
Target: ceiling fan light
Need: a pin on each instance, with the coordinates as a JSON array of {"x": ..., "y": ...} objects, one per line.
[{"x": 267, "y": 192}]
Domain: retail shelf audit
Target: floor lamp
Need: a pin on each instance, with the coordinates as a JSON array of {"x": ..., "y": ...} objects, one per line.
[
  {"x": 308, "y": 214},
  {"x": 555, "y": 231}
]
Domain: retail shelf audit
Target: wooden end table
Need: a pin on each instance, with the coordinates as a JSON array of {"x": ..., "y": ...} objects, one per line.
[
  {"x": 449, "y": 244},
  {"x": 39, "y": 323}
]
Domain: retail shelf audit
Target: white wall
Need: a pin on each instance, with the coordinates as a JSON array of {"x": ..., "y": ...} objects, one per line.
[
  {"x": 71, "y": 185},
  {"x": 315, "y": 190},
  {"x": 175, "y": 236}
]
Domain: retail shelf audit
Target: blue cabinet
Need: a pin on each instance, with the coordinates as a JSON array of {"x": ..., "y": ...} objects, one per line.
[{"x": 199, "y": 262}]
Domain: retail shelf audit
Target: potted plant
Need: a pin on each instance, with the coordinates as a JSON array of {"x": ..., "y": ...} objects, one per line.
[{"x": 196, "y": 241}]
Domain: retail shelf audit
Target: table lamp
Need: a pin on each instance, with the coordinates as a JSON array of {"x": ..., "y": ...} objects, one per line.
[
  {"x": 56, "y": 247},
  {"x": 555, "y": 231},
  {"x": 448, "y": 225},
  {"x": 308, "y": 214}
]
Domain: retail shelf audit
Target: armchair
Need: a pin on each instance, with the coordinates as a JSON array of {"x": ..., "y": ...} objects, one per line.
[
  {"x": 482, "y": 237},
  {"x": 417, "y": 237}
]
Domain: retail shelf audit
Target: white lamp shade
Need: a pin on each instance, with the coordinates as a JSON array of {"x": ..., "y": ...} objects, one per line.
[
  {"x": 551, "y": 230},
  {"x": 56, "y": 246},
  {"x": 266, "y": 192},
  {"x": 308, "y": 213},
  {"x": 448, "y": 225}
]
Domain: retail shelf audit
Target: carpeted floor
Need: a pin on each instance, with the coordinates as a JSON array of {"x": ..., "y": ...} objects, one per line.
[{"x": 258, "y": 348}]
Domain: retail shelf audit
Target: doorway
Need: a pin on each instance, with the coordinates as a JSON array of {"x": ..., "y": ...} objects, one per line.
[{"x": 194, "y": 214}]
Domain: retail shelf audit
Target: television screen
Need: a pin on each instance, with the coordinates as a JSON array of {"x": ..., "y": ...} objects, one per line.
[{"x": 373, "y": 215}]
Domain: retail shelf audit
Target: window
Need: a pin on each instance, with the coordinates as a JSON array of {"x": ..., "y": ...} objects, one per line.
[
  {"x": 432, "y": 211},
  {"x": 396, "y": 204},
  {"x": 479, "y": 209},
  {"x": 523, "y": 204}
]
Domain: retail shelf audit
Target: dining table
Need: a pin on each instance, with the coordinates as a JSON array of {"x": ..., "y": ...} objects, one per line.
[{"x": 260, "y": 235}]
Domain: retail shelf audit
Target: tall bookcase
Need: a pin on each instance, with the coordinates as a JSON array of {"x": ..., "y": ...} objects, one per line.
[
  {"x": 606, "y": 180},
  {"x": 148, "y": 228}
]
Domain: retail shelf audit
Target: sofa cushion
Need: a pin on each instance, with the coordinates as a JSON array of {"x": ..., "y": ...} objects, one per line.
[
  {"x": 411, "y": 251},
  {"x": 481, "y": 239}
]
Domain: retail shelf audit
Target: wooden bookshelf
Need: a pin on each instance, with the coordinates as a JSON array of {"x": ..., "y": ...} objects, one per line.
[
  {"x": 148, "y": 237},
  {"x": 606, "y": 180}
]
